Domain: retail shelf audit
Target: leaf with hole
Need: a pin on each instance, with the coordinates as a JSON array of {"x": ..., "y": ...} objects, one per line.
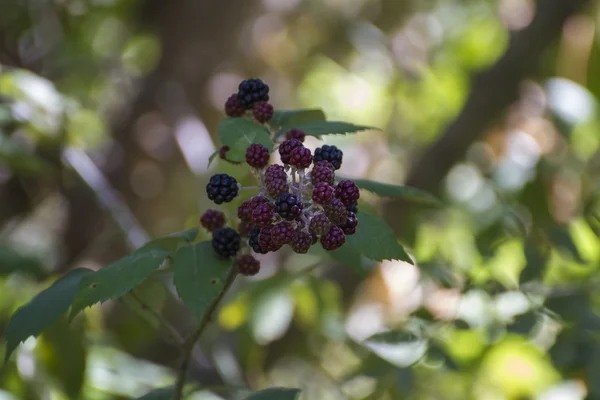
[
  {"x": 396, "y": 191},
  {"x": 275, "y": 393},
  {"x": 374, "y": 239},
  {"x": 320, "y": 128}
]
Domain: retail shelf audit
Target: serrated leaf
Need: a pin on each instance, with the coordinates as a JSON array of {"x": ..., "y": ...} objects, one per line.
[
  {"x": 396, "y": 191},
  {"x": 320, "y": 128},
  {"x": 291, "y": 117},
  {"x": 199, "y": 275},
  {"x": 523, "y": 324},
  {"x": 158, "y": 394},
  {"x": 351, "y": 257},
  {"x": 276, "y": 393},
  {"x": 43, "y": 309},
  {"x": 239, "y": 133},
  {"x": 174, "y": 240},
  {"x": 374, "y": 239},
  {"x": 118, "y": 278},
  {"x": 393, "y": 337}
]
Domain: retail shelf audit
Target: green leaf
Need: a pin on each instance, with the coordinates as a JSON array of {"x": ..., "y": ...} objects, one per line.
[
  {"x": 396, "y": 191},
  {"x": 351, "y": 257},
  {"x": 171, "y": 242},
  {"x": 14, "y": 261},
  {"x": 438, "y": 353},
  {"x": 239, "y": 133},
  {"x": 291, "y": 117},
  {"x": 275, "y": 393},
  {"x": 441, "y": 273},
  {"x": 158, "y": 394},
  {"x": 320, "y": 128},
  {"x": 18, "y": 159},
  {"x": 536, "y": 258},
  {"x": 375, "y": 240},
  {"x": 43, "y": 310},
  {"x": 118, "y": 278},
  {"x": 199, "y": 275},
  {"x": 523, "y": 324},
  {"x": 392, "y": 337},
  {"x": 570, "y": 307}
]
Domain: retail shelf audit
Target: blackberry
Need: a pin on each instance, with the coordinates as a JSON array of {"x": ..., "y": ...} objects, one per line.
[
  {"x": 245, "y": 227},
  {"x": 319, "y": 224},
  {"x": 233, "y": 108},
  {"x": 252, "y": 91},
  {"x": 300, "y": 157},
  {"x": 262, "y": 111},
  {"x": 222, "y": 188},
  {"x": 275, "y": 171},
  {"x": 253, "y": 241},
  {"x": 353, "y": 208},
  {"x": 257, "y": 155},
  {"x": 349, "y": 227},
  {"x": 347, "y": 192},
  {"x": 285, "y": 149},
  {"x": 265, "y": 239},
  {"x": 244, "y": 211},
  {"x": 300, "y": 242},
  {"x": 333, "y": 239},
  {"x": 331, "y": 154},
  {"x": 262, "y": 214},
  {"x": 322, "y": 193},
  {"x": 336, "y": 211},
  {"x": 226, "y": 242},
  {"x": 275, "y": 187},
  {"x": 322, "y": 171},
  {"x": 288, "y": 206},
  {"x": 247, "y": 265},
  {"x": 212, "y": 220},
  {"x": 295, "y": 134},
  {"x": 282, "y": 233}
]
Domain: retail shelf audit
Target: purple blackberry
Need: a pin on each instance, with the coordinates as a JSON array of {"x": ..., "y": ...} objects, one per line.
[
  {"x": 347, "y": 192},
  {"x": 277, "y": 186},
  {"x": 226, "y": 242},
  {"x": 253, "y": 241},
  {"x": 222, "y": 188},
  {"x": 349, "y": 227},
  {"x": 319, "y": 224},
  {"x": 300, "y": 157},
  {"x": 263, "y": 111},
  {"x": 295, "y": 134},
  {"x": 212, "y": 220},
  {"x": 322, "y": 193},
  {"x": 322, "y": 171},
  {"x": 285, "y": 149},
  {"x": 300, "y": 242},
  {"x": 262, "y": 214},
  {"x": 275, "y": 171},
  {"x": 247, "y": 265},
  {"x": 252, "y": 91},
  {"x": 336, "y": 211},
  {"x": 331, "y": 154},
  {"x": 257, "y": 155},
  {"x": 233, "y": 108},
  {"x": 333, "y": 239},
  {"x": 282, "y": 233},
  {"x": 265, "y": 239},
  {"x": 245, "y": 211},
  {"x": 353, "y": 208},
  {"x": 288, "y": 206},
  {"x": 245, "y": 227}
]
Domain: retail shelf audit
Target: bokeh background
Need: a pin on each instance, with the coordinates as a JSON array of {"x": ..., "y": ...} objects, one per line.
[{"x": 108, "y": 114}]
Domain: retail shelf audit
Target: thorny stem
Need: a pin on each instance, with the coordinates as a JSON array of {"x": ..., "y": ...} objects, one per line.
[{"x": 188, "y": 345}]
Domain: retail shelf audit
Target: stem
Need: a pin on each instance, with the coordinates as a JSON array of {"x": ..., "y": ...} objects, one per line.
[
  {"x": 250, "y": 188},
  {"x": 173, "y": 333},
  {"x": 188, "y": 346}
]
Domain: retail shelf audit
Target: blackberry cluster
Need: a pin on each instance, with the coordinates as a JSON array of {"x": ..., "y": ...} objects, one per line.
[{"x": 299, "y": 203}]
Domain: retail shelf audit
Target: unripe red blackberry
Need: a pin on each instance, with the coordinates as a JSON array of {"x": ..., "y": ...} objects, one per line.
[
  {"x": 295, "y": 134},
  {"x": 226, "y": 242},
  {"x": 300, "y": 157},
  {"x": 282, "y": 233},
  {"x": 288, "y": 206},
  {"x": 286, "y": 148},
  {"x": 331, "y": 154},
  {"x": 336, "y": 211},
  {"x": 263, "y": 111},
  {"x": 319, "y": 224},
  {"x": 252, "y": 91},
  {"x": 322, "y": 193},
  {"x": 275, "y": 171},
  {"x": 277, "y": 186},
  {"x": 233, "y": 108},
  {"x": 265, "y": 239},
  {"x": 300, "y": 242},
  {"x": 322, "y": 171},
  {"x": 333, "y": 239},
  {"x": 222, "y": 188},
  {"x": 257, "y": 155},
  {"x": 247, "y": 265},
  {"x": 349, "y": 227},
  {"x": 262, "y": 214},
  {"x": 245, "y": 227},
  {"x": 347, "y": 192},
  {"x": 253, "y": 241},
  {"x": 212, "y": 220}
]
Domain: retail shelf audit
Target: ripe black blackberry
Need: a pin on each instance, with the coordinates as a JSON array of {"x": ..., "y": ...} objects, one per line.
[
  {"x": 319, "y": 224},
  {"x": 300, "y": 157},
  {"x": 300, "y": 242},
  {"x": 295, "y": 134},
  {"x": 226, "y": 242},
  {"x": 333, "y": 239},
  {"x": 233, "y": 108},
  {"x": 277, "y": 186},
  {"x": 349, "y": 227},
  {"x": 262, "y": 111},
  {"x": 252, "y": 91},
  {"x": 212, "y": 220},
  {"x": 353, "y": 208},
  {"x": 285, "y": 150},
  {"x": 262, "y": 214},
  {"x": 247, "y": 265},
  {"x": 336, "y": 211},
  {"x": 253, "y": 241},
  {"x": 222, "y": 188},
  {"x": 331, "y": 154},
  {"x": 347, "y": 192},
  {"x": 322, "y": 193},
  {"x": 282, "y": 233},
  {"x": 288, "y": 206},
  {"x": 257, "y": 155},
  {"x": 322, "y": 171}
]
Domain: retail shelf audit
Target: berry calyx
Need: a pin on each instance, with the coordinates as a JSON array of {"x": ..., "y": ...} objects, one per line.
[
  {"x": 233, "y": 108},
  {"x": 322, "y": 193},
  {"x": 288, "y": 206},
  {"x": 226, "y": 242},
  {"x": 257, "y": 155},
  {"x": 347, "y": 192},
  {"x": 262, "y": 214},
  {"x": 331, "y": 154},
  {"x": 301, "y": 242},
  {"x": 282, "y": 233},
  {"x": 336, "y": 211},
  {"x": 222, "y": 188},
  {"x": 247, "y": 265},
  {"x": 252, "y": 91},
  {"x": 212, "y": 220},
  {"x": 322, "y": 171},
  {"x": 349, "y": 227},
  {"x": 263, "y": 111},
  {"x": 300, "y": 157},
  {"x": 295, "y": 134},
  {"x": 333, "y": 239},
  {"x": 286, "y": 148},
  {"x": 253, "y": 241},
  {"x": 319, "y": 224}
]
